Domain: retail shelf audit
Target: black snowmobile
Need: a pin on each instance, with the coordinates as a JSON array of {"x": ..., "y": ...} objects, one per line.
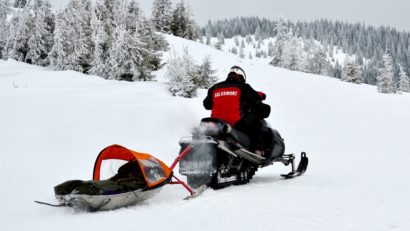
[{"x": 217, "y": 155}]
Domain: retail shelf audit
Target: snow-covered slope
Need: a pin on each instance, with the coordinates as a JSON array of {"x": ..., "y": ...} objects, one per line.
[{"x": 53, "y": 125}]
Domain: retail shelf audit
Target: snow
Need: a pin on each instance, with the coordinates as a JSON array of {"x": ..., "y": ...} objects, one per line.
[{"x": 53, "y": 125}]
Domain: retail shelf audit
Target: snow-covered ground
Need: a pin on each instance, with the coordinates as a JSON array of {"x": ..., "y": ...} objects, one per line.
[{"x": 53, "y": 125}]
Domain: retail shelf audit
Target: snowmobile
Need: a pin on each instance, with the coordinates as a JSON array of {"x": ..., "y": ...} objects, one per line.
[{"x": 218, "y": 155}]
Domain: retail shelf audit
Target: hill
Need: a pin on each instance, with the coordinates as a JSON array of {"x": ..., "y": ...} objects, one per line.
[{"x": 53, "y": 125}]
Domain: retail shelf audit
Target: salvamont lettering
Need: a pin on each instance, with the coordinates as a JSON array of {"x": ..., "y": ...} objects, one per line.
[{"x": 226, "y": 93}]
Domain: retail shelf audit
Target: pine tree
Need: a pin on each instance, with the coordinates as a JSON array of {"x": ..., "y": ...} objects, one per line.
[
  {"x": 258, "y": 34},
  {"x": 236, "y": 40},
  {"x": 337, "y": 70},
  {"x": 192, "y": 31},
  {"x": 81, "y": 58},
  {"x": 241, "y": 53},
  {"x": 206, "y": 77},
  {"x": 162, "y": 15},
  {"x": 178, "y": 25},
  {"x": 181, "y": 74},
  {"x": 234, "y": 50},
  {"x": 102, "y": 35},
  {"x": 182, "y": 23},
  {"x": 41, "y": 40},
  {"x": 318, "y": 63},
  {"x": 404, "y": 81},
  {"x": 58, "y": 53},
  {"x": 126, "y": 53},
  {"x": 385, "y": 82},
  {"x": 281, "y": 39},
  {"x": 4, "y": 26},
  {"x": 148, "y": 45},
  {"x": 120, "y": 62},
  {"x": 221, "y": 38},
  {"x": 20, "y": 3},
  {"x": 22, "y": 34},
  {"x": 208, "y": 38},
  {"x": 292, "y": 53},
  {"x": 351, "y": 72}
]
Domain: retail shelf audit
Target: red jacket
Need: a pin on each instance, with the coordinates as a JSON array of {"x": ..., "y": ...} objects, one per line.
[{"x": 232, "y": 101}]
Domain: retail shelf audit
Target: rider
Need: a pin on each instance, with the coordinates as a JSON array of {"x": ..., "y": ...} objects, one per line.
[{"x": 237, "y": 103}]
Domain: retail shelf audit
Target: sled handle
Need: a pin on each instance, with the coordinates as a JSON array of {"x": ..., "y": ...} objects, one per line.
[{"x": 181, "y": 156}]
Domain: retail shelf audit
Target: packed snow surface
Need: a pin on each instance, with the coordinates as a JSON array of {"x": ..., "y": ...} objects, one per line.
[{"x": 53, "y": 125}]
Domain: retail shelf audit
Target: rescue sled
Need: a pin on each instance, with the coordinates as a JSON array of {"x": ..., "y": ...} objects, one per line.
[{"x": 139, "y": 179}]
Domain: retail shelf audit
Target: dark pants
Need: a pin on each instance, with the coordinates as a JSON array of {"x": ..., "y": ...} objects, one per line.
[{"x": 254, "y": 129}]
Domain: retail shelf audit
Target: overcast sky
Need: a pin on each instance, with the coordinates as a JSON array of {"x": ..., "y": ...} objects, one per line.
[{"x": 395, "y": 13}]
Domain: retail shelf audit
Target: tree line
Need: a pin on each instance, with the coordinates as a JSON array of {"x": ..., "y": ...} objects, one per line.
[
  {"x": 110, "y": 38},
  {"x": 367, "y": 47}
]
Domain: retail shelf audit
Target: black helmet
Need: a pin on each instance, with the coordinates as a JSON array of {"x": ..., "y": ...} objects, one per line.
[{"x": 237, "y": 73}]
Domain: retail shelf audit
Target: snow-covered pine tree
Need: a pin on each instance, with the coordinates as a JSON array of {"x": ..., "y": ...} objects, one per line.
[
  {"x": 178, "y": 25},
  {"x": 241, "y": 53},
  {"x": 221, "y": 38},
  {"x": 206, "y": 77},
  {"x": 81, "y": 58},
  {"x": 337, "y": 70},
  {"x": 385, "y": 83},
  {"x": 318, "y": 63},
  {"x": 270, "y": 49},
  {"x": 218, "y": 45},
  {"x": 125, "y": 51},
  {"x": 351, "y": 72},
  {"x": 4, "y": 25},
  {"x": 208, "y": 38},
  {"x": 281, "y": 39},
  {"x": 22, "y": 34},
  {"x": 181, "y": 74},
  {"x": 258, "y": 34},
  {"x": 20, "y": 3},
  {"x": 183, "y": 24},
  {"x": 58, "y": 53},
  {"x": 292, "y": 52},
  {"x": 234, "y": 50},
  {"x": 236, "y": 40},
  {"x": 248, "y": 39},
  {"x": 120, "y": 61},
  {"x": 11, "y": 32},
  {"x": 41, "y": 40},
  {"x": 192, "y": 31},
  {"x": 162, "y": 15},
  {"x": 404, "y": 81},
  {"x": 148, "y": 45},
  {"x": 102, "y": 36}
]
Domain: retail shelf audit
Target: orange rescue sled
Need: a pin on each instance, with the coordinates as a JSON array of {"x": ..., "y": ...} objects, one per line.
[{"x": 138, "y": 180}]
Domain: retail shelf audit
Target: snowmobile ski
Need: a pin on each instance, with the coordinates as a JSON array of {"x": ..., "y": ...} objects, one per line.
[
  {"x": 201, "y": 189},
  {"x": 300, "y": 169}
]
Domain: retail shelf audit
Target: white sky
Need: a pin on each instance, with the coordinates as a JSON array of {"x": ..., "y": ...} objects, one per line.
[{"x": 395, "y": 13}]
